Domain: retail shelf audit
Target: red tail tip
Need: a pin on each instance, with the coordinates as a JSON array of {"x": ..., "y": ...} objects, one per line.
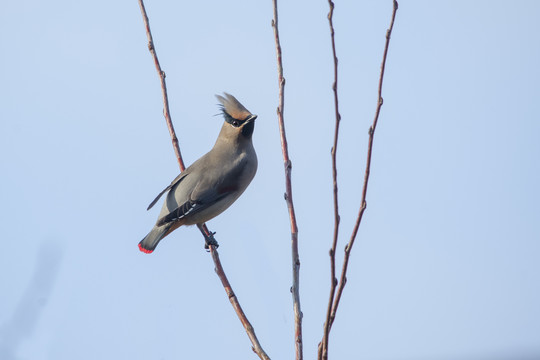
[{"x": 146, "y": 251}]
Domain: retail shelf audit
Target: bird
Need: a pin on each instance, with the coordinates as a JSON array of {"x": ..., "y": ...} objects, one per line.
[{"x": 213, "y": 182}]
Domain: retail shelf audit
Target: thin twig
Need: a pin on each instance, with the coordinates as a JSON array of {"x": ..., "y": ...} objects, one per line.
[
  {"x": 161, "y": 74},
  {"x": 295, "y": 289},
  {"x": 363, "y": 203},
  {"x": 208, "y": 235},
  {"x": 323, "y": 347}
]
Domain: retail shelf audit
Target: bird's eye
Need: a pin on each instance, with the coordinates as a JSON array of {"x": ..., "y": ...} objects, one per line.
[{"x": 235, "y": 123}]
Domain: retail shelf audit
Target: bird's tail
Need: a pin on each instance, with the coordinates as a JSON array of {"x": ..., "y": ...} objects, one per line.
[{"x": 150, "y": 241}]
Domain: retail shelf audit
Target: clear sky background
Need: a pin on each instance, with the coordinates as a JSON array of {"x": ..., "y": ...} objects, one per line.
[{"x": 447, "y": 261}]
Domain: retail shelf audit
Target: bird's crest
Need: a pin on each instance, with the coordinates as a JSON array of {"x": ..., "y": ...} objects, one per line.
[{"x": 232, "y": 107}]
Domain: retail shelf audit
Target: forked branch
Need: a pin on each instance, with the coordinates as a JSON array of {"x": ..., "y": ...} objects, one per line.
[
  {"x": 363, "y": 203},
  {"x": 323, "y": 346},
  {"x": 335, "y": 297}
]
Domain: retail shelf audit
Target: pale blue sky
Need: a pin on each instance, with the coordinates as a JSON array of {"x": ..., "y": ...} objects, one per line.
[{"x": 446, "y": 264}]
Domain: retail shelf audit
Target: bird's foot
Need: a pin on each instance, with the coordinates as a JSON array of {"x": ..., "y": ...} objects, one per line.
[{"x": 210, "y": 240}]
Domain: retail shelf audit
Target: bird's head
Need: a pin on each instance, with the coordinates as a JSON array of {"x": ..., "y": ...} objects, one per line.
[{"x": 239, "y": 121}]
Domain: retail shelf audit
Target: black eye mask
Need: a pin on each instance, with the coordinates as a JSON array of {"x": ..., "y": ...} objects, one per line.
[{"x": 236, "y": 122}]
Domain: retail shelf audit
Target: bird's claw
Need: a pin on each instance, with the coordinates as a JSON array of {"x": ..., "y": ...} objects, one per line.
[{"x": 210, "y": 240}]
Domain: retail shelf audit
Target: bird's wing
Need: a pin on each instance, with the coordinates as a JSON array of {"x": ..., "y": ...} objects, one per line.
[
  {"x": 179, "y": 213},
  {"x": 174, "y": 182},
  {"x": 195, "y": 205},
  {"x": 208, "y": 192}
]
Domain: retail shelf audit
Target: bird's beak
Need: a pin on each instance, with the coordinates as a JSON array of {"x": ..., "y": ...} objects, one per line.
[{"x": 252, "y": 117}]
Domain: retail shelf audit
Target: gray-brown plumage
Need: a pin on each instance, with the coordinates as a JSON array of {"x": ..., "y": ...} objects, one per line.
[{"x": 212, "y": 183}]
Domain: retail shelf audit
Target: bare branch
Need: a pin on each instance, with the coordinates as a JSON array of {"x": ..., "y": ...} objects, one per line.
[
  {"x": 334, "y": 300},
  {"x": 295, "y": 289},
  {"x": 209, "y": 239},
  {"x": 161, "y": 74},
  {"x": 323, "y": 346},
  {"x": 257, "y": 349},
  {"x": 208, "y": 235},
  {"x": 363, "y": 203}
]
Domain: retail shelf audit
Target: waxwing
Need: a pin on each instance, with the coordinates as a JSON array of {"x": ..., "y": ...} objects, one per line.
[{"x": 212, "y": 183}]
